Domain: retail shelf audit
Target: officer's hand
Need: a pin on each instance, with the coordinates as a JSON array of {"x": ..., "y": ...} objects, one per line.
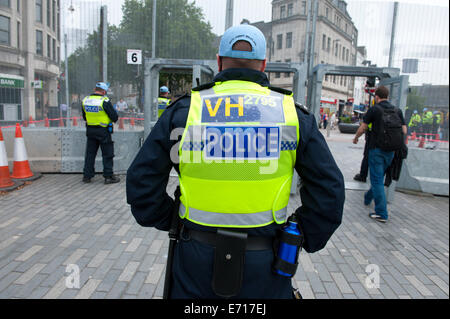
[{"x": 355, "y": 140}]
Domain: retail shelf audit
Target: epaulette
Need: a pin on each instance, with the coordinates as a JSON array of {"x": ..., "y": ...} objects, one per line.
[
  {"x": 303, "y": 108},
  {"x": 280, "y": 90},
  {"x": 175, "y": 102},
  {"x": 204, "y": 86}
]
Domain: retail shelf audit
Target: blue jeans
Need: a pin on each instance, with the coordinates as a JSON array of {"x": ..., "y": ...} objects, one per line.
[{"x": 379, "y": 161}]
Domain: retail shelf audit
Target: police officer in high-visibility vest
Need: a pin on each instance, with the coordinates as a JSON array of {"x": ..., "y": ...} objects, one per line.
[
  {"x": 415, "y": 122},
  {"x": 427, "y": 123},
  {"x": 99, "y": 114},
  {"x": 436, "y": 124},
  {"x": 163, "y": 100},
  {"x": 235, "y": 143}
]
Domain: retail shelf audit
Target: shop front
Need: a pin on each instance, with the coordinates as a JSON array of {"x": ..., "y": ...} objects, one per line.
[{"x": 11, "y": 91}]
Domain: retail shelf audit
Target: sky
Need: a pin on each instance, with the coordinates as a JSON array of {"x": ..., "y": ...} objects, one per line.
[{"x": 422, "y": 28}]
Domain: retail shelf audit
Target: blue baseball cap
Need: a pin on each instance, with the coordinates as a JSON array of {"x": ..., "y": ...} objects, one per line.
[
  {"x": 103, "y": 86},
  {"x": 164, "y": 89},
  {"x": 243, "y": 32},
  {"x": 425, "y": 109}
]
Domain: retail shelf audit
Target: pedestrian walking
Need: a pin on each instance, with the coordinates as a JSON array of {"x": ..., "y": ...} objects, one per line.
[
  {"x": 99, "y": 114},
  {"x": 388, "y": 135},
  {"x": 239, "y": 141}
]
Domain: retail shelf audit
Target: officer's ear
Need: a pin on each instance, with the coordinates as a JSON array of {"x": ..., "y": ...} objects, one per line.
[
  {"x": 219, "y": 62},
  {"x": 263, "y": 65}
]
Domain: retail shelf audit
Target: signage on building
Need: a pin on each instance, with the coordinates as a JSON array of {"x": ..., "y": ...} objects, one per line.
[
  {"x": 37, "y": 84},
  {"x": 11, "y": 83}
]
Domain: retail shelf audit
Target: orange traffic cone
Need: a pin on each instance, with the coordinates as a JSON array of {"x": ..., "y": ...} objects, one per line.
[
  {"x": 74, "y": 123},
  {"x": 21, "y": 168},
  {"x": 132, "y": 122},
  {"x": 46, "y": 122},
  {"x": 422, "y": 142},
  {"x": 5, "y": 179},
  {"x": 61, "y": 123},
  {"x": 121, "y": 124}
]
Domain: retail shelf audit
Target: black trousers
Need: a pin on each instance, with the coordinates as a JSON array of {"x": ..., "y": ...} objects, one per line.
[
  {"x": 364, "y": 171},
  {"x": 98, "y": 137}
]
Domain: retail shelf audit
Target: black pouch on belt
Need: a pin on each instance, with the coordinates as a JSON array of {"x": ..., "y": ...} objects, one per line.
[{"x": 229, "y": 263}]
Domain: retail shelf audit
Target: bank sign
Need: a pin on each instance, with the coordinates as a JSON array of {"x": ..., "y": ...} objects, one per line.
[{"x": 11, "y": 83}]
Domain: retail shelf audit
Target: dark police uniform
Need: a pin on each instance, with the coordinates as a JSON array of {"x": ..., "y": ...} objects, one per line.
[
  {"x": 99, "y": 136},
  {"x": 322, "y": 195}
]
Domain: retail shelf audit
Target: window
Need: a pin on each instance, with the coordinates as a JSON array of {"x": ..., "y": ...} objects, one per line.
[
  {"x": 346, "y": 26},
  {"x": 303, "y": 7},
  {"x": 39, "y": 10},
  {"x": 327, "y": 12},
  {"x": 334, "y": 79},
  {"x": 18, "y": 5},
  {"x": 343, "y": 53},
  {"x": 346, "y": 56},
  {"x": 290, "y": 9},
  {"x": 54, "y": 49},
  {"x": 49, "y": 47},
  {"x": 287, "y": 74},
  {"x": 54, "y": 15},
  {"x": 58, "y": 25},
  {"x": 336, "y": 49},
  {"x": 278, "y": 74},
  {"x": 5, "y": 3},
  {"x": 49, "y": 16},
  {"x": 341, "y": 80},
  {"x": 289, "y": 40},
  {"x": 282, "y": 12},
  {"x": 329, "y": 44},
  {"x": 39, "y": 49},
  {"x": 279, "y": 41},
  {"x": 18, "y": 35},
  {"x": 324, "y": 42},
  {"x": 4, "y": 30}
]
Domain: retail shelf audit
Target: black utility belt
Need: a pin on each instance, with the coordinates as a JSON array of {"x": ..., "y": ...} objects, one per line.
[
  {"x": 230, "y": 247},
  {"x": 213, "y": 239}
]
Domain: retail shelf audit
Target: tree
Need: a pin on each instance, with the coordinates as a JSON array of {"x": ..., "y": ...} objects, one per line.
[
  {"x": 181, "y": 33},
  {"x": 415, "y": 101}
]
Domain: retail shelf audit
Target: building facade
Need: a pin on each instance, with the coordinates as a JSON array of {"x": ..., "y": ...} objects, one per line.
[
  {"x": 29, "y": 58},
  {"x": 335, "y": 42}
]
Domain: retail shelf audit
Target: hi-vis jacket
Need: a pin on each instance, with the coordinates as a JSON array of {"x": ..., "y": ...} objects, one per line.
[
  {"x": 163, "y": 103},
  {"x": 415, "y": 120},
  {"x": 94, "y": 110},
  {"x": 237, "y": 156},
  {"x": 427, "y": 117}
]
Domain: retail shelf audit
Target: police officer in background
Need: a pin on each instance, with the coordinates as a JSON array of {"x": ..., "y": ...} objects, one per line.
[
  {"x": 232, "y": 210},
  {"x": 99, "y": 114},
  {"x": 163, "y": 100}
]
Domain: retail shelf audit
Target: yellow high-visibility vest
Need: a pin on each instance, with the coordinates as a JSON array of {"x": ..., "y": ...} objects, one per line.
[
  {"x": 95, "y": 114},
  {"x": 237, "y": 156}
]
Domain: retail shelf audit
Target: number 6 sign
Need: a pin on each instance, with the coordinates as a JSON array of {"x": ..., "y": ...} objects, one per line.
[{"x": 134, "y": 56}]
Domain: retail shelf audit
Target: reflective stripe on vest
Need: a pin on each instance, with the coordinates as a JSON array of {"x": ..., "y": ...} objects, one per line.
[
  {"x": 95, "y": 114},
  {"x": 237, "y": 156}
]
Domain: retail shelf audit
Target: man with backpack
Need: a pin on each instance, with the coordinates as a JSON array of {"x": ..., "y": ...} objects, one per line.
[{"x": 388, "y": 135}]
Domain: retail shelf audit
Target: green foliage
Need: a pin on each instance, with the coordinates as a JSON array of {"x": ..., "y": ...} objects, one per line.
[
  {"x": 415, "y": 101},
  {"x": 181, "y": 33},
  {"x": 345, "y": 119}
]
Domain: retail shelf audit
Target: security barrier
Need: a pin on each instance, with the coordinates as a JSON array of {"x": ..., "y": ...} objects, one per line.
[
  {"x": 425, "y": 171},
  {"x": 61, "y": 150}
]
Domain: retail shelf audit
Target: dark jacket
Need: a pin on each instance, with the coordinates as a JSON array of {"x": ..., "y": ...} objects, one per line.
[{"x": 322, "y": 196}]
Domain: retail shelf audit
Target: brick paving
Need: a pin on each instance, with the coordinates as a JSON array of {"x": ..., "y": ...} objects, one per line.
[{"x": 57, "y": 222}]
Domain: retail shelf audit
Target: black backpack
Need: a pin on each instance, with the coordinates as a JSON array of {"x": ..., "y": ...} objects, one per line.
[{"x": 390, "y": 134}]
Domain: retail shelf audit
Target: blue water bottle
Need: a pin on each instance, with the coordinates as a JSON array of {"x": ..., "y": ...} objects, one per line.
[{"x": 290, "y": 244}]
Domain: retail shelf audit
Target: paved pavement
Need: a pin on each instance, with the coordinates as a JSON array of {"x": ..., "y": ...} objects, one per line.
[{"x": 58, "y": 227}]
